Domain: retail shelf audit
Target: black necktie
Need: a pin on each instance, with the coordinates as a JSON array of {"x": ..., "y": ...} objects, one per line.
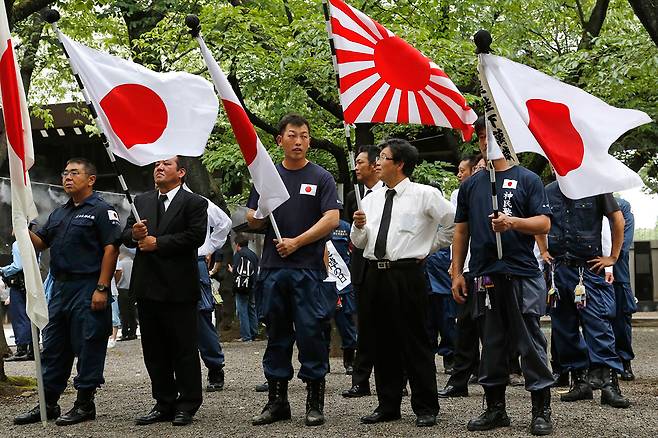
[
  {"x": 368, "y": 191},
  {"x": 382, "y": 234},
  {"x": 161, "y": 207}
]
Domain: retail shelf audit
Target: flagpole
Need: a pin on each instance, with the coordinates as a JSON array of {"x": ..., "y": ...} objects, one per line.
[
  {"x": 483, "y": 42},
  {"x": 346, "y": 127},
  {"x": 52, "y": 16},
  {"x": 192, "y": 21},
  {"x": 37, "y": 364}
]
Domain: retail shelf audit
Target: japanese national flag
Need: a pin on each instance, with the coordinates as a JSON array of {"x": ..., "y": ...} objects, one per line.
[
  {"x": 571, "y": 128},
  {"x": 21, "y": 158},
  {"x": 146, "y": 116},
  {"x": 267, "y": 181}
]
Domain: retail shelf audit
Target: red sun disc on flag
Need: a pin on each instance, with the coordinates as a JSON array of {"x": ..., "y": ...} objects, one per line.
[
  {"x": 385, "y": 79},
  {"x": 550, "y": 123},
  {"x": 136, "y": 113},
  {"x": 244, "y": 131},
  {"x": 12, "y": 103}
]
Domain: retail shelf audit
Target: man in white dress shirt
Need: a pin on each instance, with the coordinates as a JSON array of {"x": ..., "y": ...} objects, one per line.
[{"x": 397, "y": 228}]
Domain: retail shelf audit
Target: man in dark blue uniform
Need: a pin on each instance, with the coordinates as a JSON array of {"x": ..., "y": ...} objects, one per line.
[
  {"x": 624, "y": 298},
  {"x": 511, "y": 290},
  {"x": 586, "y": 300},
  {"x": 294, "y": 301},
  {"x": 346, "y": 307},
  {"x": 83, "y": 237},
  {"x": 442, "y": 309}
]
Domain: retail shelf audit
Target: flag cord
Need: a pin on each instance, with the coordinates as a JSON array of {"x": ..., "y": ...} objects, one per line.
[
  {"x": 95, "y": 117},
  {"x": 348, "y": 133}
]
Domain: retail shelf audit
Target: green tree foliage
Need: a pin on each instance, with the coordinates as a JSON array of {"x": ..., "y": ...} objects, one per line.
[{"x": 276, "y": 54}]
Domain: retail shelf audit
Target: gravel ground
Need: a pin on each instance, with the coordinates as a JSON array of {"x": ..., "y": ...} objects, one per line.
[{"x": 227, "y": 413}]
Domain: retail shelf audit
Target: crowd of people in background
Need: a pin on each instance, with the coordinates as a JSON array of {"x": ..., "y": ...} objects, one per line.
[{"x": 425, "y": 280}]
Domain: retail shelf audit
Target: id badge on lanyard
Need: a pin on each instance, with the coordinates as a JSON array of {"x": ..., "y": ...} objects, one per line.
[{"x": 580, "y": 295}]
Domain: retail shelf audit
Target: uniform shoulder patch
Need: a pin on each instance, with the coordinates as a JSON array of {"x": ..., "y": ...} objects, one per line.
[{"x": 113, "y": 215}]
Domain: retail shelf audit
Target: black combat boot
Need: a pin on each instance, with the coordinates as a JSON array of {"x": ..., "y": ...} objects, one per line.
[
  {"x": 315, "y": 402},
  {"x": 34, "y": 415},
  {"x": 348, "y": 360},
  {"x": 610, "y": 393},
  {"x": 596, "y": 377},
  {"x": 30, "y": 352},
  {"x": 541, "y": 412},
  {"x": 580, "y": 387},
  {"x": 277, "y": 407},
  {"x": 215, "y": 380},
  {"x": 83, "y": 409},
  {"x": 627, "y": 374},
  {"x": 495, "y": 415},
  {"x": 20, "y": 355}
]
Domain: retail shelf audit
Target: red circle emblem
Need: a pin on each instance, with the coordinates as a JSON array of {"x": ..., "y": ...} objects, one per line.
[{"x": 308, "y": 189}]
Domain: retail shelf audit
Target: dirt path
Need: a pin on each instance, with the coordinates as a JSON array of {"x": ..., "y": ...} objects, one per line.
[{"x": 227, "y": 413}]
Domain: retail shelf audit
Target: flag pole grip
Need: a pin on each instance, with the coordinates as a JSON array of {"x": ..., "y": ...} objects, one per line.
[{"x": 276, "y": 228}]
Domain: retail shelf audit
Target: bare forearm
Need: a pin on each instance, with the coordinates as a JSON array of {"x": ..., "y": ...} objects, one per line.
[
  {"x": 542, "y": 242},
  {"x": 617, "y": 221},
  {"x": 532, "y": 225},
  {"x": 327, "y": 223},
  {"x": 108, "y": 264},
  {"x": 459, "y": 248},
  {"x": 39, "y": 244},
  {"x": 255, "y": 224}
]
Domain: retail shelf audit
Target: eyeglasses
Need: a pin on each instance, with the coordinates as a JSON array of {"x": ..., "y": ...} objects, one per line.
[
  {"x": 74, "y": 173},
  {"x": 383, "y": 157}
]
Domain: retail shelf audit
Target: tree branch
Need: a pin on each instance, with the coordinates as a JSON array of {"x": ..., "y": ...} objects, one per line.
[{"x": 24, "y": 9}]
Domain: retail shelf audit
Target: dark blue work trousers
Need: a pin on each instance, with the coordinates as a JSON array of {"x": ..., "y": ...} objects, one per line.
[
  {"x": 296, "y": 307},
  {"x": 74, "y": 330},
  {"x": 596, "y": 346},
  {"x": 20, "y": 323},
  {"x": 344, "y": 318},
  {"x": 625, "y": 307}
]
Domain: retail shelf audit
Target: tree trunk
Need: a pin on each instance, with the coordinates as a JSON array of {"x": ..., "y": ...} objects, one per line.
[{"x": 647, "y": 12}]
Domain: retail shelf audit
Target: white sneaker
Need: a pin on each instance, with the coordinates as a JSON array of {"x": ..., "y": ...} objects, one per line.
[{"x": 111, "y": 343}]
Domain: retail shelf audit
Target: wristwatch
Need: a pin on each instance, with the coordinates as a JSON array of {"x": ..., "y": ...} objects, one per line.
[{"x": 102, "y": 287}]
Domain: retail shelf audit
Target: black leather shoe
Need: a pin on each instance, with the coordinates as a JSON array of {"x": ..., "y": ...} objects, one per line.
[
  {"x": 561, "y": 380},
  {"x": 357, "y": 391},
  {"x": 34, "y": 415},
  {"x": 215, "y": 380},
  {"x": 425, "y": 420},
  {"x": 154, "y": 416},
  {"x": 78, "y": 413},
  {"x": 379, "y": 417},
  {"x": 452, "y": 391},
  {"x": 473, "y": 380},
  {"x": 182, "y": 419}
]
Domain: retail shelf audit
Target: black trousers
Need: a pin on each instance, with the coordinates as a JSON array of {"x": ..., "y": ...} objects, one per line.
[
  {"x": 512, "y": 324},
  {"x": 171, "y": 354},
  {"x": 365, "y": 343},
  {"x": 467, "y": 343},
  {"x": 400, "y": 299},
  {"x": 127, "y": 312}
]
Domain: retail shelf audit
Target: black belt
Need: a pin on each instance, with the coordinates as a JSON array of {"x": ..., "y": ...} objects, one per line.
[
  {"x": 67, "y": 276},
  {"x": 574, "y": 263},
  {"x": 395, "y": 264}
]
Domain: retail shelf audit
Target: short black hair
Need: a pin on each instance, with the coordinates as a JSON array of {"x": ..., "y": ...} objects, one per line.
[
  {"x": 404, "y": 152},
  {"x": 471, "y": 159},
  {"x": 371, "y": 150},
  {"x": 294, "y": 120},
  {"x": 480, "y": 124},
  {"x": 241, "y": 240},
  {"x": 182, "y": 163},
  {"x": 88, "y": 165}
]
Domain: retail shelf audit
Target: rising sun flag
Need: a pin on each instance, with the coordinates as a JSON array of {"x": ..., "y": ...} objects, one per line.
[{"x": 384, "y": 79}]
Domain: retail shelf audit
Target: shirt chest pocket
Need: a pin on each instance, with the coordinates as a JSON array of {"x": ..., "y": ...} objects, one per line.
[
  {"x": 81, "y": 229},
  {"x": 408, "y": 222}
]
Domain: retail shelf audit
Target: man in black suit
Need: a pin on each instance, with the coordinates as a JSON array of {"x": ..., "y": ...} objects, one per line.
[{"x": 165, "y": 281}]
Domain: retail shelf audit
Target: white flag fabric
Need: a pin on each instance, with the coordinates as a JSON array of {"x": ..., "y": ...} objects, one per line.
[
  {"x": 267, "y": 181},
  {"x": 21, "y": 159},
  {"x": 146, "y": 116},
  {"x": 571, "y": 128},
  {"x": 337, "y": 269}
]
